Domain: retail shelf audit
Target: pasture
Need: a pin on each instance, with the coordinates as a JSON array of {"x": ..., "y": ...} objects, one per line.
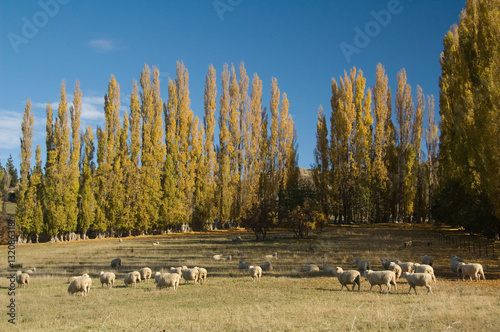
[{"x": 286, "y": 298}]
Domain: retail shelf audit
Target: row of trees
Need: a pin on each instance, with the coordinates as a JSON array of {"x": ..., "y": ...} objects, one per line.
[
  {"x": 157, "y": 167},
  {"x": 368, "y": 168}
]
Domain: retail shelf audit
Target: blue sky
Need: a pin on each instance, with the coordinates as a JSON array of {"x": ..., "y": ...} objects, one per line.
[{"x": 298, "y": 42}]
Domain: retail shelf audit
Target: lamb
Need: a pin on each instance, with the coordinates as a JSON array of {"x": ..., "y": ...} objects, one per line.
[
  {"x": 455, "y": 260},
  {"x": 242, "y": 265},
  {"x": 255, "y": 272},
  {"x": 396, "y": 269},
  {"x": 428, "y": 260},
  {"x": 380, "y": 278},
  {"x": 217, "y": 257},
  {"x": 418, "y": 279},
  {"x": 349, "y": 277},
  {"x": 166, "y": 280},
  {"x": 267, "y": 266},
  {"x": 274, "y": 255},
  {"x": 22, "y": 278},
  {"x": 407, "y": 244},
  {"x": 190, "y": 274},
  {"x": 406, "y": 266},
  {"x": 424, "y": 268},
  {"x": 386, "y": 262},
  {"x": 362, "y": 264},
  {"x": 80, "y": 285},
  {"x": 107, "y": 278},
  {"x": 471, "y": 270},
  {"x": 116, "y": 263},
  {"x": 311, "y": 267},
  {"x": 132, "y": 278},
  {"x": 329, "y": 270},
  {"x": 145, "y": 274}
]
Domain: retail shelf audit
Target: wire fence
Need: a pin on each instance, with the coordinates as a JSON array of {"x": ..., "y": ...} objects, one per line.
[{"x": 473, "y": 244}]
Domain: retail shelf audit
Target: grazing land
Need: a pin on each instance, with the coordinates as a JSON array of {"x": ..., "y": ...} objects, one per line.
[{"x": 286, "y": 298}]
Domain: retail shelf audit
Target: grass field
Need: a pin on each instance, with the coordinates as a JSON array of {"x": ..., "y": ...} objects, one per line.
[{"x": 285, "y": 299}]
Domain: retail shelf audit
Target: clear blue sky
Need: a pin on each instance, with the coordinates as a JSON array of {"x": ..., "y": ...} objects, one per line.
[{"x": 298, "y": 42}]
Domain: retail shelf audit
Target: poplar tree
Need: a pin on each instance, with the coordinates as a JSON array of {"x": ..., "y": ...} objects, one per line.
[
  {"x": 431, "y": 142},
  {"x": 209, "y": 122},
  {"x": 87, "y": 201},
  {"x": 36, "y": 194},
  {"x": 234, "y": 146},
  {"x": 321, "y": 169}
]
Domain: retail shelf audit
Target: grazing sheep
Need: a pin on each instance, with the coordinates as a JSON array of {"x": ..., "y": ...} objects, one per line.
[
  {"x": 202, "y": 274},
  {"x": 349, "y": 277},
  {"x": 274, "y": 255},
  {"x": 217, "y": 257},
  {"x": 424, "y": 268},
  {"x": 396, "y": 269},
  {"x": 120, "y": 240},
  {"x": 228, "y": 258},
  {"x": 80, "y": 285},
  {"x": 455, "y": 260},
  {"x": 239, "y": 253},
  {"x": 145, "y": 274},
  {"x": 166, "y": 280},
  {"x": 30, "y": 271},
  {"x": 70, "y": 279},
  {"x": 132, "y": 278},
  {"x": 255, "y": 272},
  {"x": 406, "y": 266},
  {"x": 311, "y": 267},
  {"x": 107, "y": 278},
  {"x": 22, "y": 279},
  {"x": 157, "y": 243},
  {"x": 428, "y": 260},
  {"x": 386, "y": 262},
  {"x": 471, "y": 270},
  {"x": 362, "y": 264},
  {"x": 407, "y": 244},
  {"x": 236, "y": 239},
  {"x": 177, "y": 270},
  {"x": 116, "y": 263},
  {"x": 242, "y": 265},
  {"x": 329, "y": 270},
  {"x": 267, "y": 266},
  {"x": 418, "y": 279},
  {"x": 380, "y": 278},
  {"x": 190, "y": 274}
]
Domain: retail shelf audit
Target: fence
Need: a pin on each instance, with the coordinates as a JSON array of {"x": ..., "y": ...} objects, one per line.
[{"x": 472, "y": 244}]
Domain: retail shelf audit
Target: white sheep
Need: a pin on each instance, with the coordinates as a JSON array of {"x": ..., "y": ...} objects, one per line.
[
  {"x": 362, "y": 264},
  {"x": 190, "y": 274},
  {"x": 396, "y": 269},
  {"x": 228, "y": 258},
  {"x": 380, "y": 278},
  {"x": 22, "y": 279},
  {"x": 145, "y": 274},
  {"x": 166, "y": 280},
  {"x": 274, "y": 255},
  {"x": 311, "y": 267},
  {"x": 116, "y": 263},
  {"x": 157, "y": 243},
  {"x": 70, "y": 279},
  {"x": 471, "y": 270},
  {"x": 120, "y": 240},
  {"x": 386, "y": 262},
  {"x": 132, "y": 278},
  {"x": 30, "y": 271},
  {"x": 267, "y": 266},
  {"x": 455, "y": 260},
  {"x": 217, "y": 257},
  {"x": 349, "y": 277},
  {"x": 255, "y": 272},
  {"x": 107, "y": 278},
  {"x": 202, "y": 275},
  {"x": 329, "y": 270},
  {"x": 407, "y": 244},
  {"x": 424, "y": 268},
  {"x": 428, "y": 260},
  {"x": 80, "y": 285},
  {"x": 242, "y": 265},
  {"x": 406, "y": 266},
  {"x": 418, "y": 279},
  {"x": 236, "y": 239}
]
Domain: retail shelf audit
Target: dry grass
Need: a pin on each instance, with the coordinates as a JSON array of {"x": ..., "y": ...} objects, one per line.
[{"x": 286, "y": 298}]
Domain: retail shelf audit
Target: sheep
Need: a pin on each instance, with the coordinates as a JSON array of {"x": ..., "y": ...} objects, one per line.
[
  {"x": 255, "y": 272},
  {"x": 132, "y": 278},
  {"x": 228, "y": 258},
  {"x": 348, "y": 277},
  {"x": 311, "y": 267},
  {"x": 239, "y": 253},
  {"x": 380, "y": 278},
  {"x": 418, "y": 279},
  {"x": 362, "y": 264},
  {"x": 396, "y": 269},
  {"x": 30, "y": 271},
  {"x": 120, "y": 240},
  {"x": 407, "y": 244},
  {"x": 428, "y": 260},
  {"x": 471, "y": 270},
  {"x": 145, "y": 274},
  {"x": 22, "y": 278},
  {"x": 329, "y": 270},
  {"x": 116, "y": 263},
  {"x": 107, "y": 278},
  {"x": 424, "y": 268},
  {"x": 202, "y": 275},
  {"x": 267, "y": 266},
  {"x": 242, "y": 265},
  {"x": 455, "y": 260},
  {"x": 70, "y": 279},
  {"x": 386, "y": 262},
  {"x": 157, "y": 243},
  {"x": 217, "y": 257},
  {"x": 80, "y": 285},
  {"x": 166, "y": 280},
  {"x": 274, "y": 255},
  {"x": 406, "y": 266},
  {"x": 190, "y": 274},
  {"x": 236, "y": 239}
]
